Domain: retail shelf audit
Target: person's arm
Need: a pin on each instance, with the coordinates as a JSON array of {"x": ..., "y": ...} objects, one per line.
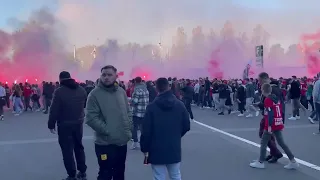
[
  {"x": 129, "y": 110},
  {"x": 185, "y": 121},
  {"x": 268, "y": 105},
  {"x": 54, "y": 110},
  {"x": 315, "y": 91},
  {"x": 93, "y": 114}
]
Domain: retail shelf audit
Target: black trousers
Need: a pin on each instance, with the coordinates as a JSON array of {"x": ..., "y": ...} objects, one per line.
[
  {"x": 111, "y": 160},
  {"x": 70, "y": 140},
  {"x": 187, "y": 103},
  {"x": 137, "y": 124}
]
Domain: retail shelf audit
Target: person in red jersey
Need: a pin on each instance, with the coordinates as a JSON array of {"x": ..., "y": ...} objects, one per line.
[
  {"x": 273, "y": 126},
  {"x": 303, "y": 98},
  {"x": 27, "y": 92}
]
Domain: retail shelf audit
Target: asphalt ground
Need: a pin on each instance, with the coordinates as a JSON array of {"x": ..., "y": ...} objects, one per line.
[{"x": 216, "y": 148}]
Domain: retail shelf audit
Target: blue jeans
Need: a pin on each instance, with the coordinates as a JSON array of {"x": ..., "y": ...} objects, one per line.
[
  {"x": 17, "y": 104},
  {"x": 159, "y": 171}
]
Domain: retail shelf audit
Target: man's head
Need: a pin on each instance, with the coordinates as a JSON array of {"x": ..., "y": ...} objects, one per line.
[
  {"x": 264, "y": 78},
  {"x": 137, "y": 80},
  {"x": 162, "y": 85},
  {"x": 64, "y": 75},
  {"x": 108, "y": 75},
  {"x": 266, "y": 89}
]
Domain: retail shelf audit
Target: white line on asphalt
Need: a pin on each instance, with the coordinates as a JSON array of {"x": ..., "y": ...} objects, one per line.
[
  {"x": 305, "y": 163},
  {"x": 256, "y": 129},
  {"x": 35, "y": 141}
]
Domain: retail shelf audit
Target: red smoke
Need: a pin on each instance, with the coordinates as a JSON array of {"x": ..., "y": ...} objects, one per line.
[
  {"x": 34, "y": 50},
  {"x": 214, "y": 65},
  {"x": 310, "y": 46}
]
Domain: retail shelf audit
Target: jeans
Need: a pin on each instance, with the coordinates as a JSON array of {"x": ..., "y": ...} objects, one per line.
[
  {"x": 159, "y": 171},
  {"x": 137, "y": 123},
  {"x": 249, "y": 105},
  {"x": 266, "y": 136},
  {"x": 222, "y": 104},
  {"x": 17, "y": 104}
]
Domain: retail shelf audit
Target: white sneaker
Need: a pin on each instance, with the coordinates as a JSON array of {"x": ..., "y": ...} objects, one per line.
[
  {"x": 249, "y": 115},
  {"x": 134, "y": 145},
  {"x": 311, "y": 120},
  {"x": 298, "y": 117},
  {"x": 257, "y": 164},
  {"x": 1, "y": 118},
  {"x": 240, "y": 115},
  {"x": 292, "y": 165},
  {"x": 257, "y": 113},
  {"x": 292, "y": 118}
]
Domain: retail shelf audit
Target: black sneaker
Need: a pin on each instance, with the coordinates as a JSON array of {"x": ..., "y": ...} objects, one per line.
[
  {"x": 275, "y": 159},
  {"x": 229, "y": 111},
  {"x": 1, "y": 118},
  {"x": 268, "y": 157},
  {"x": 221, "y": 113},
  {"x": 70, "y": 178},
  {"x": 82, "y": 176}
]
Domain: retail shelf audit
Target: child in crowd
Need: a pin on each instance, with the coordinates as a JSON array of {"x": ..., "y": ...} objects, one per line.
[{"x": 273, "y": 125}]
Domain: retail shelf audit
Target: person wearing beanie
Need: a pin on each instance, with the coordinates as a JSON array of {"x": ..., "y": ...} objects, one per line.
[{"x": 67, "y": 113}]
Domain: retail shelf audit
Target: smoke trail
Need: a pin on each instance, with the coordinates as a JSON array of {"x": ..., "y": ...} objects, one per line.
[{"x": 38, "y": 51}]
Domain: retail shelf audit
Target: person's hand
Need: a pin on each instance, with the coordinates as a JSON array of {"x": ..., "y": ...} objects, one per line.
[
  {"x": 53, "y": 131},
  {"x": 269, "y": 129}
]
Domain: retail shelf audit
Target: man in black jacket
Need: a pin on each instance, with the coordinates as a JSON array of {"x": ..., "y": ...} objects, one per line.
[
  {"x": 165, "y": 122},
  {"x": 188, "y": 93},
  {"x": 67, "y": 111}
]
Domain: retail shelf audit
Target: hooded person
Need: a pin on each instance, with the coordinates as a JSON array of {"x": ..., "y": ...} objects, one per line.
[
  {"x": 165, "y": 122},
  {"x": 67, "y": 113}
]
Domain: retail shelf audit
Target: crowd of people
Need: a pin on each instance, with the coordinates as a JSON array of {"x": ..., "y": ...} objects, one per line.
[{"x": 161, "y": 111}]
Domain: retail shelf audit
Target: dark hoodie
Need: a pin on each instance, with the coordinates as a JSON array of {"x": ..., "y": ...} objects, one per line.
[
  {"x": 67, "y": 106},
  {"x": 152, "y": 91},
  {"x": 165, "y": 122}
]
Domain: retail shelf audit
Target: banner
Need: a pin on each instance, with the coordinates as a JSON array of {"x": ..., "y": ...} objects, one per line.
[
  {"x": 246, "y": 70},
  {"x": 259, "y": 56}
]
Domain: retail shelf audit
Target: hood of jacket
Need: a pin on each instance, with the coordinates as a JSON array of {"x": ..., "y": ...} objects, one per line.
[
  {"x": 166, "y": 100},
  {"x": 112, "y": 88},
  {"x": 274, "y": 98},
  {"x": 69, "y": 83}
]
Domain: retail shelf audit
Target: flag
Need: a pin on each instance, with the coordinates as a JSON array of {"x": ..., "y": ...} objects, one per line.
[
  {"x": 246, "y": 71},
  {"x": 121, "y": 73},
  {"x": 93, "y": 53},
  {"x": 74, "y": 52}
]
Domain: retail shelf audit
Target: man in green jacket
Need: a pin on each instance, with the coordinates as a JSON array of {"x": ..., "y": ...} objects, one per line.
[{"x": 109, "y": 115}]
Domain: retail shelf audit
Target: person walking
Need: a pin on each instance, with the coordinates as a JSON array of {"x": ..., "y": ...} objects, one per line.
[
  {"x": 165, "y": 122},
  {"x": 67, "y": 112}
]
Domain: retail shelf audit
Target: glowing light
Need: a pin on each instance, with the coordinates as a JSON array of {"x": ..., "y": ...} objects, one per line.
[
  {"x": 6, "y": 82},
  {"x": 144, "y": 77},
  {"x": 26, "y": 80},
  {"x": 15, "y": 81},
  {"x": 36, "y": 80}
]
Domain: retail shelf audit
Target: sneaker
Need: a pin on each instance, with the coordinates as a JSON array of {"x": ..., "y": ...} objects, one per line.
[
  {"x": 316, "y": 133},
  {"x": 298, "y": 117},
  {"x": 257, "y": 164},
  {"x": 220, "y": 113},
  {"x": 1, "y": 118},
  {"x": 82, "y": 176},
  {"x": 249, "y": 115},
  {"x": 229, "y": 111},
  {"x": 292, "y": 165},
  {"x": 240, "y": 115},
  {"x": 70, "y": 178},
  {"x": 292, "y": 118},
  {"x": 232, "y": 112},
  {"x": 275, "y": 159},
  {"x": 257, "y": 113},
  {"x": 311, "y": 120},
  {"x": 134, "y": 145}
]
